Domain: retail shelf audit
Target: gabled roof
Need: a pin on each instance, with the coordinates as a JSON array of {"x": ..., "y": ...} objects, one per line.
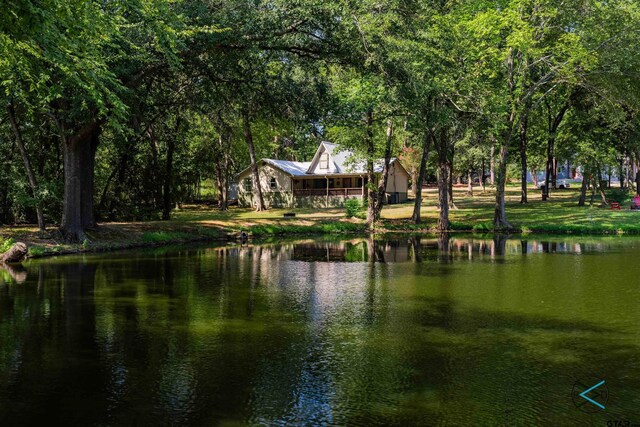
[
  {"x": 340, "y": 159},
  {"x": 343, "y": 162},
  {"x": 292, "y": 168}
]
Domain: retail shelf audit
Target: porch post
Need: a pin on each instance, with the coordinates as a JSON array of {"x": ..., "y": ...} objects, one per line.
[
  {"x": 327, "y": 200},
  {"x": 362, "y": 188},
  {"x": 293, "y": 196}
]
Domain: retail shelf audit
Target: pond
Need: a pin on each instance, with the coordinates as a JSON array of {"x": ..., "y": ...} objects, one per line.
[{"x": 453, "y": 331}]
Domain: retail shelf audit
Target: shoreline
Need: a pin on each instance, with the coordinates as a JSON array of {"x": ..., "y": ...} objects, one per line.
[{"x": 109, "y": 237}]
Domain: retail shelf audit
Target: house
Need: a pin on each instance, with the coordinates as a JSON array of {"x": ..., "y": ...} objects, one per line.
[{"x": 331, "y": 177}]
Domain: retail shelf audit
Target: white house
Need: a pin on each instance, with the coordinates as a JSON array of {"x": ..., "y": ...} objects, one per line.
[{"x": 331, "y": 177}]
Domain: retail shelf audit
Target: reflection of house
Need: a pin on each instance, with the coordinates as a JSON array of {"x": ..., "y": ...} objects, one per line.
[{"x": 331, "y": 177}]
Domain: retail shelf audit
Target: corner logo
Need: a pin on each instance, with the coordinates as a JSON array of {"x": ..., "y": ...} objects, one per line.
[{"x": 590, "y": 398}]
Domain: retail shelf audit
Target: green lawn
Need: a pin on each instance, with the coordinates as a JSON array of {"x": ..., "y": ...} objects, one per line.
[{"x": 560, "y": 214}]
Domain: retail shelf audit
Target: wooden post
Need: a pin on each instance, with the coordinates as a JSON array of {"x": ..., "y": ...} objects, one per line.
[
  {"x": 327, "y": 200},
  {"x": 293, "y": 196}
]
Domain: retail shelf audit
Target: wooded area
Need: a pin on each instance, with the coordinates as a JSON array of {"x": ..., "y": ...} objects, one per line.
[{"x": 121, "y": 109}]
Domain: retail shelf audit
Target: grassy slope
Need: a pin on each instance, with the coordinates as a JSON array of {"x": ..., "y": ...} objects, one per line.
[{"x": 559, "y": 215}]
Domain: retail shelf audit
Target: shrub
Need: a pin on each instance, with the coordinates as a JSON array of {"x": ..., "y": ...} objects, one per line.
[
  {"x": 354, "y": 208},
  {"x": 36, "y": 251},
  {"x": 483, "y": 226},
  {"x": 619, "y": 195},
  {"x": 5, "y": 244}
]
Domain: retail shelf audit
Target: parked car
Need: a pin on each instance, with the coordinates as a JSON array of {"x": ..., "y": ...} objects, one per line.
[{"x": 560, "y": 183}]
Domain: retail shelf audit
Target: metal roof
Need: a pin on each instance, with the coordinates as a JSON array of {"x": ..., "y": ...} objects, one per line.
[
  {"x": 343, "y": 163},
  {"x": 292, "y": 168}
]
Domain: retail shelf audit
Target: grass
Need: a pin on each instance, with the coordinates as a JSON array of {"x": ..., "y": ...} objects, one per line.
[{"x": 560, "y": 214}]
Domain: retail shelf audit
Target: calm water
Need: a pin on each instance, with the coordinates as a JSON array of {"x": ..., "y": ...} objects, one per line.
[{"x": 460, "y": 332}]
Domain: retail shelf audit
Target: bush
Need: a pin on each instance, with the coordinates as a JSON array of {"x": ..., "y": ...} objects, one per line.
[
  {"x": 619, "y": 195},
  {"x": 5, "y": 244},
  {"x": 483, "y": 227},
  {"x": 354, "y": 208}
]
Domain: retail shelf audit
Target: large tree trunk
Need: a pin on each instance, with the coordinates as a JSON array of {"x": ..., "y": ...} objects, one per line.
[
  {"x": 417, "y": 205},
  {"x": 371, "y": 190},
  {"x": 442, "y": 148},
  {"x": 255, "y": 176},
  {"x": 79, "y": 160},
  {"x": 382, "y": 185},
  {"x": 500, "y": 215},
  {"x": 33, "y": 182},
  {"x": 583, "y": 188},
  {"x": 470, "y": 182},
  {"x": 523, "y": 160}
]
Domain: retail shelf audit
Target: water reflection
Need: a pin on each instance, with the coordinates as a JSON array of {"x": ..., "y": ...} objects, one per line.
[{"x": 411, "y": 331}]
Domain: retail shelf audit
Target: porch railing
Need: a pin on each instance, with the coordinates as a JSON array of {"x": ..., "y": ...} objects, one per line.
[{"x": 344, "y": 192}]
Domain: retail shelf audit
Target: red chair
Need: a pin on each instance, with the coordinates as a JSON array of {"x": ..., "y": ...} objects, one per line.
[{"x": 615, "y": 206}]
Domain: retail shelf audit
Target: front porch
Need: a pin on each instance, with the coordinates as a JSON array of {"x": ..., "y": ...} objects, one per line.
[{"x": 327, "y": 191}]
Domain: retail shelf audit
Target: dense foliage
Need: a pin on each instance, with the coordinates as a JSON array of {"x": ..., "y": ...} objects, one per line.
[{"x": 122, "y": 110}]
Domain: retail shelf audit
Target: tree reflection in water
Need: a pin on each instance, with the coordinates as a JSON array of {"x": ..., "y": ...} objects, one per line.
[{"x": 415, "y": 330}]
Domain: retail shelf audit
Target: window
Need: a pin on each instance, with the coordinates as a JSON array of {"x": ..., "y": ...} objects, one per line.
[
  {"x": 324, "y": 161},
  {"x": 273, "y": 183},
  {"x": 247, "y": 184}
]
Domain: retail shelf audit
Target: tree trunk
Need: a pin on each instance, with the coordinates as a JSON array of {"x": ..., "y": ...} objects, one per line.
[
  {"x": 469, "y": 183},
  {"x": 426, "y": 143},
  {"x": 500, "y": 216},
  {"x": 16, "y": 253},
  {"x": 492, "y": 164},
  {"x": 155, "y": 163},
  {"x": 33, "y": 182},
  {"x": 222, "y": 168},
  {"x": 443, "y": 178},
  {"x": 548, "y": 167},
  {"x": 414, "y": 180},
  {"x": 371, "y": 191},
  {"x": 167, "y": 190},
  {"x": 167, "y": 204},
  {"x": 382, "y": 185},
  {"x": 553, "y": 124},
  {"x": 598, "y": 185},
  {"x": 621, "y": 174},
  {"x": 248, "y": 137},
  {"x": 523, "y": 159},
  {"x": 637, "y": 177},
  {"x": 79, "y": 160},
  {"x": 452, "y": 205},
  {"x": 583, "y": 189}
]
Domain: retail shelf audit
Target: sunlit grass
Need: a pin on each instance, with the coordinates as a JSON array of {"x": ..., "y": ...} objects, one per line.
[{"x": 559, "y": 214}]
